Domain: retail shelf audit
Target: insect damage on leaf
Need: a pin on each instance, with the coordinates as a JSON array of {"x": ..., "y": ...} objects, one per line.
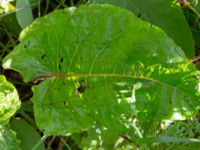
[{"x": 82, "y": 87}]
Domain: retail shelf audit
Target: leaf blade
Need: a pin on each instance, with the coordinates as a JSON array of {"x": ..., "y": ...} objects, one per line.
[
  {"x": 96, "y": 72},
  {"x": 162, "y": 14}
]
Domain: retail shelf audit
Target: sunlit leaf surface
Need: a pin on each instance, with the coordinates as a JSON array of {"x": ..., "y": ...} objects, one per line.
[
  {"x": 9, "y": 100},
  {"x": 104, "y": 71},
  {"x": 8, "y": 139},
  {"x": 166, "y": 14}
]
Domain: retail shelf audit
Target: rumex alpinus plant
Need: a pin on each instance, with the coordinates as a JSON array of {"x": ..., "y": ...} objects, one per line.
[{"x": 107, "y": 78}]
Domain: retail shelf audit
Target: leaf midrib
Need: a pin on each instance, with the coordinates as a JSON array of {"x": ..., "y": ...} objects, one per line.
[{"x": 64, "y": 75}]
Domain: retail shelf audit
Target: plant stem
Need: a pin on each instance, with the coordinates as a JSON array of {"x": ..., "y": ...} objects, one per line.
[
  {"x": 66, "y": 144},
  {"x": 187, "y": 4},
  {"x": 39, "y": 8},
  {"x": 137, "y": 130},
  {"x": 49, "y": 144},
  {"x": 194, "y": 59},
  {"x": 46, "y": 7},
  {"x": 39, "y": 142},
  {"x": 127, "y": 139},
  {"x": 71, "y": 2},
  {"x": 29, "y": 119}
]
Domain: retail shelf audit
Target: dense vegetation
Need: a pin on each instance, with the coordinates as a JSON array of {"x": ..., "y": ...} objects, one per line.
[{"x": 99, "y": 74}]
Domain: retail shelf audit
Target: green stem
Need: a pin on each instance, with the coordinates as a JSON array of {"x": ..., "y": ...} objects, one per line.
[
  {"x": 46, "y": 7},
  {"x": 39, "y": 8},
  {"x": 39, "y": 142},
  {"x": 187, "y": 4},
  {"x": 49, "y": 144},
  {"x": 29, "y": 119},
  {"x": 71, "y": 2},
  {"x": 66, "y": 144},
  {"x": 80, "y": 2},
  {"x": 137, "y": 130}
]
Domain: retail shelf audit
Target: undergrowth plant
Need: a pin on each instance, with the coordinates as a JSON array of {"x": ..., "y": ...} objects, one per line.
[{"x": 107, "y": 79}]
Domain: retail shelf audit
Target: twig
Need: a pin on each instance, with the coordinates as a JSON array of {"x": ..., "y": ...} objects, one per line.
[
  {"x": 187, "y": 4},
  {"x": 49, "y": 144},
  {"x": 69, "y": 148},
  {"x": 194, "y": 59},
  {"x": 126, "y": 138},
  {"x": 193, "y": 10}
]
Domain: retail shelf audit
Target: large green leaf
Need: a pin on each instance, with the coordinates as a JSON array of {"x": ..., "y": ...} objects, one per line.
[
  {"x": 104, "y": 70},
  {"x": 9, "y": 100},
  {"x": 166, "y": 14}
]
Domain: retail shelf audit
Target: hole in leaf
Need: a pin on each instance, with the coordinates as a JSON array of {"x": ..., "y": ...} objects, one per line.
[
  {"x": 27, "y": 44},
  {"x": 65, "y": 103},
  {"x": 59, "y": 66},
  {"x": 82, "y": 87},
  {"x": 43, "y": 56},
  {"x": 61, "y": 60},
  {"x": 139, "y": 15}
]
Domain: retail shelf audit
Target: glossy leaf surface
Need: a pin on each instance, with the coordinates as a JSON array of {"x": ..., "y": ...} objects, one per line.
[{"x": 104, "y": 71}]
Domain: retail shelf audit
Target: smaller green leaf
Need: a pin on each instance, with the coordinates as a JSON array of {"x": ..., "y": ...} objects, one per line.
[
  {"x": 9, "y": 100},
  {"x": 26, "y": 134},
  {"x": 24, "y": 15},
  {"x": 8, "y": 139}
]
